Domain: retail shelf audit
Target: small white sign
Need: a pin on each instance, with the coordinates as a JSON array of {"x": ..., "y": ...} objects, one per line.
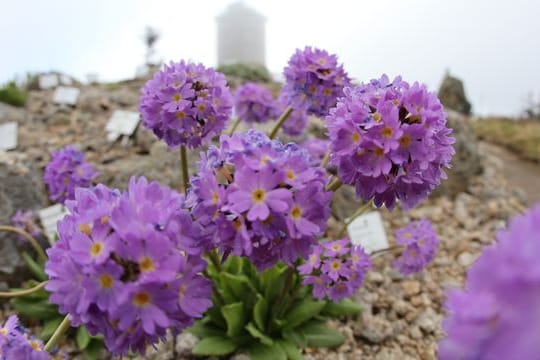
[
  {"x": 121, "y": 123},
  {"x": 48, "y": 81},
  {"x": 49, "y": 218},
  {"x": 368, "y": 231},
  {"x": 8, "y": 136},
  {"x": 64, "y": 95}
]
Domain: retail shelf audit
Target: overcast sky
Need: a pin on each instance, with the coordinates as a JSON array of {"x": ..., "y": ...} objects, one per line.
[{"x": 493, "y": 45}]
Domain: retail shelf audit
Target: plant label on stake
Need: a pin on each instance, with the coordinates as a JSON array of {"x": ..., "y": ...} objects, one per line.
[
  {"x": 368, "y": 231},
  {"x": 49, "y": 217},
  {"x": 8, "y": 136},
  {"x": 64, "y": 95},
  {"x": 121, "y": 123}
]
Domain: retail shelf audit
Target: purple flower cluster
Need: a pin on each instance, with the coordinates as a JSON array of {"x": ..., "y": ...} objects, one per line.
[
  {"x": 186, "y": 104},
  {"x": 314, "y": 80},
  {"x": 335, "y": 269},
  {"x": 317, "y": 148},
  {"x": 420, "y": 241},
  {"x": 15, "y": 343},
  {"x": 260, "y": 198},
  {"x": 253, "y": 103},
  {"x": 26, "y": 220},
  {"x": 390, "y": 140},
  {"x": 126, "y": 265},
  {"x": 297, "y": 121},
  {"x": 67, "y": 171},
  {"x": 497, "y": 315}
]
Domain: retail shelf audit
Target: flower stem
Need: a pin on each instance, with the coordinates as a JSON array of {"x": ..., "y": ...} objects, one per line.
[
  {"x": 334, "y": 185},
  {"x": 381, "y": 252},
  {"x": 58, "y": 333},
  {"x": 285, "y": 290},
  {"x": 235, "y": 125},
  {"x": 214, "y": 257},
  {"x": 185, "y": 170},
  {"x": 325, "y": 159},
  {"x": 356, "y": 214},
  {"x": 10, "y": 294},
  {"x": 280, "y": 122},
  {"x": 27, "y": 236}
]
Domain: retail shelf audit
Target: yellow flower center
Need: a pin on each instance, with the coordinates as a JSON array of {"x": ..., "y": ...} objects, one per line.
[
  {"x": 180, "y": 115},
  {"x": 379, "y": 151},
  {"x": 106, "y": 281},
  {"x": 85, "y": 228},
  {"x": 355, "y": 259},
  {"x": 355, "y": 137},
  {"x": 3, "y": 331},
  {"x": 258, "y": 195},
  {"x": 327, "y": 92},
  {"x": 312, "y": 89},
  {"x": 290, "y": 174},
  {"x": 336, "y": 265},
  {"x": 336, "y": 247},
  {"x": 237, "y": 224},
  {"x": 404, "y": 141},
  {"x": 104, "y": 219},
  {"x": 313, "y": 259},
  {"x": 35, "y": 345},
  {"x": 395, "y": 102},
  {"x": 387, "y": 132},
  {"x": 66, "y": 181},
  {"x": 377, "y": 117},
  {"x": 182, "y": 291},
  {"x": 215, "y": 197},
  {"x": 322, "y": 61},
  {"x": 141, "y": 299},
  {"x": 96, "y": 248},
  {"x": 177, "y": 97},
  {"x": 414, "y": 119},
  {"x": 201, "y": 107},
  {"x": 407, "y": 235},
  {"x": 146, "y": 264},
  {"x": 296, "y": 213}
]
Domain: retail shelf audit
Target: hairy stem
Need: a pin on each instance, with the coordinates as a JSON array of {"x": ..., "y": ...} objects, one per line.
[
  {"x": 334, "y": 185},
  {"x": 356, "y": 214},
  {"x": 234, "y": 127},
  {"x": 280, "y": 122},
  {"x": 58, "y": 333},
  {"x": 27, "y": 236},
  {"x": 185, "y": 170},
  {"x": 10, "y": 294},
  {"x": 325, "y": 159}
]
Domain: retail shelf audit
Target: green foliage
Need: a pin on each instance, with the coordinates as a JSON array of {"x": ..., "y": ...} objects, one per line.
[
  {"x": 36, "y": 307},
  {"x": 268, "y": 316},
  {"x": 11, "y": 94},
  {"x": 246, "y": 73}
]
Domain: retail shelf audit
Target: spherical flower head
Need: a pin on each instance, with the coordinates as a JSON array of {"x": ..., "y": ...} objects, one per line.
[
  {"x": 15, "y": 342},
  {"x": 253, "y": 103},
  {"x": 420, "y": 241},
  {"x": 335, "y": 269},
  {"x": 186, "y": 104},
  {"x": 127, "y": 266},
  {"x": 497, "y": 315},
  {"x": 26, "y": 220},
  {"x": 314, "y": 81},
  {"x": 67, "y": 171},
  {"x": 298, "y": 119},
  {"x": 260, "y": 198},
  {"x": 390, "y": 140}
]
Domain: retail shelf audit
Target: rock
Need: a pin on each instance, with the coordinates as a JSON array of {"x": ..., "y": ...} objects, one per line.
[
  {"x": 466, "y": 163},
  {"x": 428, "y": 320},
  {"x": 411, "y": 287},
  {"x": 185, "y": 342},
  {"x": 465, "y": 259},
  {"x": 375, "y": 329},
  {"x": 20, "y": 188},
  {"x": 452, "y": 95}
]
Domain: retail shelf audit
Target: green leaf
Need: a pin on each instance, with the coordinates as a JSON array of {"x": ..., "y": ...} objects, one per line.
[
  {"x": 260, "y": 312},
  {"x": 303, "y": 311},
  {"x": 293, "y": 353},
  {"x": 272, "y": 282},
  {"x": 49, "y": 327},
  {"x": 346, "y": 307},
  {"x": 318, "y": 335},
  {"x": 295, "y": 336},
  {"x": 214, "y": 346},
  {"x": 34, "y": 309},
  {"x": 263, "y": 352},
  {"x": 235, "y": 317},
  {"x": 34, "y": 267},
  {"x": 93, "y": 350},
  {"x": 202, "y": 330},
  {"x": 83, "y": 337},
  {"x": 256, "y": 333}
]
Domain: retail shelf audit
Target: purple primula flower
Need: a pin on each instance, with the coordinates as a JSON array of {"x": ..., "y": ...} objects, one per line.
[
  {"x": 496, "y": 315},
  {"x": 420, "y": 241},
  {"x": 123, "y": 262},
  {"x": 297, "y": 122},
  {"x": 336, "y": 269},
  {"x": 26, "y": 220},
  {"x": 390, "y": 140},
  {"x": 259, "y": 198},
  {"x": 317, "y": 148},
  {"x": 66, "y": 172},
  {"x": 253, "y": 103},
  {"x": 314, "y": 81},
  {"x": 15, "y": 343},
  {"x": 186, "y": 104}
]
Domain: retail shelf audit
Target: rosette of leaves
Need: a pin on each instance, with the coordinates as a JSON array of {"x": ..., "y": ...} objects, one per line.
[
  {"x": 36, "y": 308},
  {"x": 268, "y": 316}
]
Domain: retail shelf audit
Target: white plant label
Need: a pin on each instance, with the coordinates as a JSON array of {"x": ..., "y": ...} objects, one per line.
[
  {"x": 121, "y": 123},
  {"x": 48, "y": 81},
  {"x": 368, "y": 231},
  {"x": 64, "y": 95},
  {"x": 8, "y": 136},
  {"x": 49, "y": 218}
]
